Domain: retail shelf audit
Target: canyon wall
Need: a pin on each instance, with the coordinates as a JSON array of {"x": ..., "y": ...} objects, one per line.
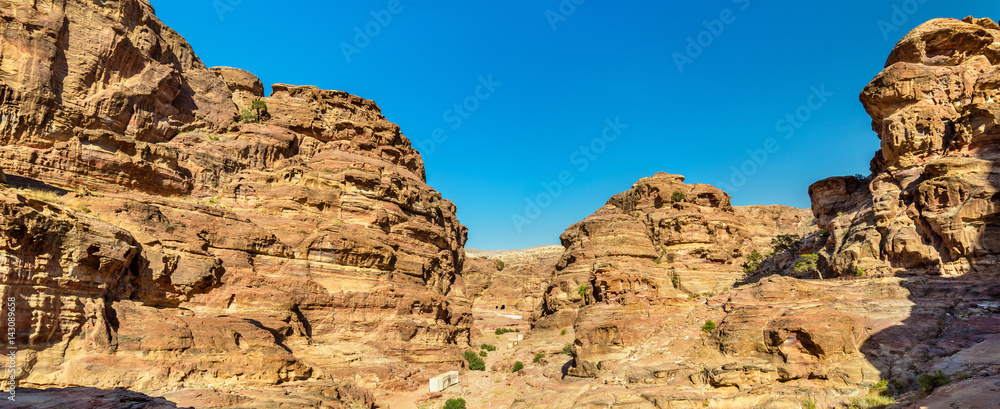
[{"x": 153, "y": 239}]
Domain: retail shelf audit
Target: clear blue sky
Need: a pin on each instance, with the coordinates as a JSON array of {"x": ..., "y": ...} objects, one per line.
[{"x": 605, "y": 61}]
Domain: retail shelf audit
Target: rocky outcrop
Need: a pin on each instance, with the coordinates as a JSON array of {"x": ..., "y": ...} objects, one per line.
[
  {"x": 79, "y": 397},
  {"x": 152, "y": 241},
  {"x": 929, "y": 206},
  {"x": 510, "y": 282},
  {"x": 648, "y": 254}
]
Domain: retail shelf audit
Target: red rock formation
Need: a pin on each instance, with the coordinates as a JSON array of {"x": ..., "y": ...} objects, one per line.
[
  {"x": 930, "y": 204},
  {"x": 152, "y": 241},
  {"x": 640, "y": 258}
]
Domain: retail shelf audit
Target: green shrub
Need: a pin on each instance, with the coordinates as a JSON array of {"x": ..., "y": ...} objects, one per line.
[
  {"x": 902, "y": 384},
  {"x": 791, "y": 243},
  {"x": 517, "y": 366},
  {"x": 929, "y": 382},
  {"x": 678, "y": 196},
  {"x": 582, "y": 290},
  {"x": 809, "y": 404},
  {"x": 676, "y": 280},
  {"x": 475, "y": 363},
  {"x": 753, "y": 262},
  {"x": 708, "y": 327},
  {"x": 860, "y": 272},
  {"x": 500, "y": 265},
  {"x": 563, "y": 332},
  {"x": 260, "y": 107},
  {"x": 501, "y": 331},
  {"x": 568, "y": 349},
  {"x": 880, "y": 388},
  {"x": 482, "y": 354},
  {"x": 488, "y": 347},
  {"x": 871, "y": 402},
  {"x": 247, "y": 115},
  {"x": 455, "y": 404},
  {"x": 538, "y": 357},
  {"x": 807, "y": 263}
]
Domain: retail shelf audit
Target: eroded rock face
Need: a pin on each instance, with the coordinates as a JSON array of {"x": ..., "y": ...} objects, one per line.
[
  {"x": 510, "y": 282},
  {"x": 152, "y": 242},
  {"x": 640, "y": 258},
  {"x": 930, "y": 205}
]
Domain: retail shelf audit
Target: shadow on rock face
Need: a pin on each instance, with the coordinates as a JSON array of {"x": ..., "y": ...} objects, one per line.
[
  {"x": 933, "y": 214},
  {"x": 80, "y": 397}
]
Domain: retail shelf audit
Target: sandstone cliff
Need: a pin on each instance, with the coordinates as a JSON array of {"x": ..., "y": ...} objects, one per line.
[
  {"x": 930, "y": 205},
  {"x": 153, "y": 240},
  {"x": 646, "y": 256},
  {"x": 911, "y": 247}
]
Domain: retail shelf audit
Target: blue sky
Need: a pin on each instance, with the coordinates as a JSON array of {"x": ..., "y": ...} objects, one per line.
[{"x": 543, "y": 109}]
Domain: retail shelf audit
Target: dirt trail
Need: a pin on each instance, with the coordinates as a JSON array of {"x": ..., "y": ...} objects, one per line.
[{"x": 406, "y": 400}]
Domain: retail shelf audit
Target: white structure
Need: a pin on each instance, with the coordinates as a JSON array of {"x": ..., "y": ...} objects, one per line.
[{"x": 443, "y": 381}]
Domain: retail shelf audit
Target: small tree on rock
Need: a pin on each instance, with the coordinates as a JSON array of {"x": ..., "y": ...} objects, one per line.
[
  {"x": 807, "y": 263},
  {"x": 260, "y": 107}
]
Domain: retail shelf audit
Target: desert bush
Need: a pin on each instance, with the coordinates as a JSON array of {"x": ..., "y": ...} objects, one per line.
[
  {"x": 582, "y": 290},
  {"x": 753, "y": 262},
  {"x": 538, "y": 357},
  {"x": 675, "y": 279},
  {"x": 518, "y": 365},
  {"x": 488, "y": 347},
  {"x": 791, "y": 243},
  {"x": 807, "y": 263},
  {"x": 475, "y": 363},
  {"x": 482, "y": 354},
  {"x": 929, "y": 382},
  {"x": 678, "y": 196},
  {"x": 260, "y": 108},
  {"x": 455, "y": 404},
  {"x": 500, "y": 265},
  {"x": 501, "y": 331},
  {"x": 247, "y": 115},
  {"x": 870, "y": 402},
  {"x": 568, "y": 349},
  {"x": 708, "y": 327}
]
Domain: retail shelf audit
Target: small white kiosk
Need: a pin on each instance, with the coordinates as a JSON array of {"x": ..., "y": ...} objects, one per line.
[{"x": 443, "y": 381}]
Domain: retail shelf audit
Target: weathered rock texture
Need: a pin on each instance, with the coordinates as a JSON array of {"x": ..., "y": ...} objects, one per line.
[
  {"x": 89, "y": 398},
  {"x": 930, "y": 211},
  {"x": 510, "y": 282},
  {"x": 634, "y": 262},
  {"x": 153, "y": 242},
  {"x": 931, "y": 203}
]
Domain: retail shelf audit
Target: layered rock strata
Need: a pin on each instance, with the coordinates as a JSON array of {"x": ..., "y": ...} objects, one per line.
[{"x": 153, "y": 240}]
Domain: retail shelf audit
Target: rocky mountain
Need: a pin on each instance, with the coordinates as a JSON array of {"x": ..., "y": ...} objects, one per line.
[
  {"x": 174, "y": 237},
  {"x": 931, "y": 203},
  {"x": 511, "y": 282},
  {"x": 155, "y": 237},
  {"x": 908, "y": 254}
]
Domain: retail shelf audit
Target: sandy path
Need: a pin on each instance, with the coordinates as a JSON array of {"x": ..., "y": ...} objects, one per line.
[{"x": 406, "y": 400}]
